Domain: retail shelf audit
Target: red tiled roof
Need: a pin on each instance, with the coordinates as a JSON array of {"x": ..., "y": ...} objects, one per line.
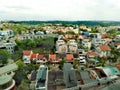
[
  {"x": 52, "y": 56},
  {"x": 91, "y": 54},
  {"x": 106, "y": 36},
  {"x": 27, "y": 52},
  {"x": 105, "y": 48},
  {"x": 69, "y": 57},
  {"x": 33, "y": 56},
  {"x": 40, "y": 56}
]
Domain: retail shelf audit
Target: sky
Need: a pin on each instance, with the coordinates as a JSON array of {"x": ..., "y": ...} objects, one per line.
[{"x": 69, "y": 10}]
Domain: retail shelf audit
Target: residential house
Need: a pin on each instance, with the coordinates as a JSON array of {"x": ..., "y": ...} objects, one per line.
[
  {"x": 72, "y": 46},
  {"x": 91, "y": 56},
  {"x": 53, "y": 58},
  {"x": 33, "y": 57},
  {"x": 103, "y": 50},
  {"x": 69, "y": 75},
  {"x": 61, "y": 46},
  {"x": 7, "y": 33},
  {"x": 86, "y": 43},
  {"x": 8, "y": 46},
  {"x": 70, "y": 58},
  {"x": 41, "y": 59},
  {"x": 26, "y": 56},
  {"x": 96, "y": 41}
]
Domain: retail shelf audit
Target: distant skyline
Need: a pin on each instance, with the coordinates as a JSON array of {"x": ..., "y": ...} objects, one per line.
[{"x": 64, "y": 10}]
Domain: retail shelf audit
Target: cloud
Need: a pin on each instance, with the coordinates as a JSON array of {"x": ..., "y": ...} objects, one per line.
[{"x": 60, "y": 9}]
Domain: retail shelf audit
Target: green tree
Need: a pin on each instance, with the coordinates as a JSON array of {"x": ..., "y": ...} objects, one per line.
[
  {"x": 23, "y": 86},
  {"x": 62, "y": 63},
  {"x": 75, "y": 64},
  {"x": 70, "y": 32},
  {"x": 4, "y": 56}
]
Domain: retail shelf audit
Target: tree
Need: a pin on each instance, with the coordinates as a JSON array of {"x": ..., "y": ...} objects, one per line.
[
  {"x": 62, "y": 63},
  {"x": 70, "y": 32},
  {"x": 4, "y": 56},
  {"x": 75, "y": 64},
  {"x": 23, "y": 86}
]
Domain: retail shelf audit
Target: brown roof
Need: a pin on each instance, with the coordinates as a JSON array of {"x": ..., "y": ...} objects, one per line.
[
  {"x": 117, "y": 44},
  {"x": 91, "y": 54},
  {"x": 105, "y": 48},
  {"x": 69, "y": 57},
  {"x": 27, "y": 52}
]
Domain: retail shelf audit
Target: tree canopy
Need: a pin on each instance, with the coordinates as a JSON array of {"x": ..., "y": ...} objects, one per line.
[{"x": 4, "y": 56}]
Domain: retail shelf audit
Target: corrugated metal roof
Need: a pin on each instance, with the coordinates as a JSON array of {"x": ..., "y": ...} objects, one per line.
[{"x": 8, "y": 68}]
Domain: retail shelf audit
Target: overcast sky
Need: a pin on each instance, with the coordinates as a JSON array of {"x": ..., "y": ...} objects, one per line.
[{"x": 60, "y": 10}]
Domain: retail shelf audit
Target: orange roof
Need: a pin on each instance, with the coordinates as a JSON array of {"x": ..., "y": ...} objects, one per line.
[
  {"x": 91, "y": 54},
  {"x": 33, "y": 56},
  {"x": 27, "y": 52},
  {"x": 105, "y": 48},
  {"x": 40, "y": 56},
  {"x": 69, "y": 57},
  {"x": 52, "y": 56}
]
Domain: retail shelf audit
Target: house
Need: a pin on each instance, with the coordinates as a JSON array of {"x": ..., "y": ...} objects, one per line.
[
  {"x": 41, "y": 59},
  {"x": 33, "y": 57},
  {"x": 26, "y": 56},
  {"x": 72, "y": 46},
  {"x": 70, "y": 58},
  {"x": 61, "y": 46},
  {"x": 9, "y": 46},
  {"x": 86, "y": 43},
  {"x": 97, "y": 41},
  {"x": 53, "y": 58},
  {"x": 7, "y": 33},
  {"x": 103, "y": 50},
  {"x": 69, "y": 75},
  {"x": 91, "y": 56}
]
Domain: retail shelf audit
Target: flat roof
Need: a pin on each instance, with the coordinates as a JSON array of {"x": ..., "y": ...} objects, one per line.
[
  {"x": 5, "y": 79},
  {"x": 8, "y": 68}
]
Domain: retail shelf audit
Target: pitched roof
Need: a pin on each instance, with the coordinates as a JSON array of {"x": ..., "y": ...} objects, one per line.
[
  {"x": 33, "y": 56},
  {"x": 105, "y": 48},
  {"x": 52, "y": 56},
  {"x": 40, "y": 56},
  {"x": 27, "y": 52},
  {"x": 91, "y": 54},
  {"x": 69, "y": 57}
]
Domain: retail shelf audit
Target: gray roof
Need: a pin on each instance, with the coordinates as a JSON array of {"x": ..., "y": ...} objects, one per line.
[
  {"x": 8, "y": 68},
  {"x": 5, "y": 79},
  {"x": 69, "y": 75},
  {"x": 113, "y": 86}
]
